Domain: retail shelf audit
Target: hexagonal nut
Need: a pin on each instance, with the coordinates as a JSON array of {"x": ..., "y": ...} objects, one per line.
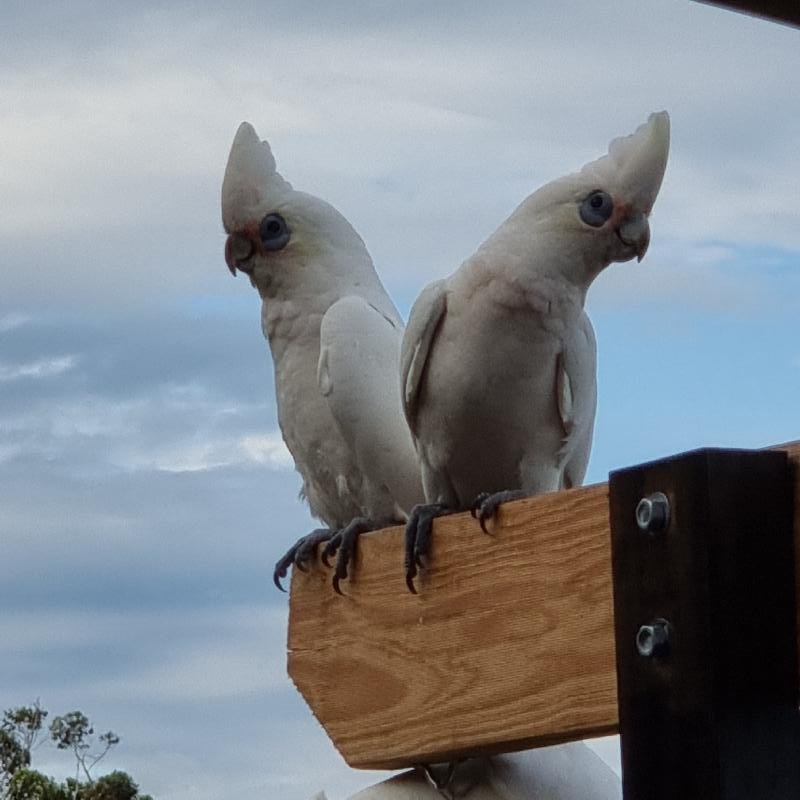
[
  {"x": 652, "y": 639},
  {"x": 652, "y": 513}
]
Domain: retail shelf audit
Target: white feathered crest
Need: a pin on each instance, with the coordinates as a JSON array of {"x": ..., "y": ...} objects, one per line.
[{"x": 252, "y": 182}]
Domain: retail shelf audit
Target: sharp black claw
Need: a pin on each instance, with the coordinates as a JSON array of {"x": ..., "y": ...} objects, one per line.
[
  {"x": 340, "y": 573},
  {"x": 326, "y": 555},
  {"x": 331, "y": 548},
  {"x": 299, "y": 555},
  {"x": 343, "y": 545},
  {"x": 281, "y": 570},
  {"x": 477, "y": 503},
  {"x": 488, "y": 503},
  {"x": 410, "y": 538},
  {"x": 418, "y": 539}
]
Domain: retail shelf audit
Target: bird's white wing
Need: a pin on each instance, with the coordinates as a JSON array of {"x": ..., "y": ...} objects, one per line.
[
  {"x": 577, "y": 400},
  {"x": 358, "y": 375},
  {"x": 426, "y": 314}
]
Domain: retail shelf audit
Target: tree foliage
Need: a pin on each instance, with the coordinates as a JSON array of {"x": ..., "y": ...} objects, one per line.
[
  {"x": 74, "y": 732},
  {"x": 28, "y": 784},
  {"x": 22, "y": 730},
  {"x": 25, "y": 724},
  {"x": 114, "y": 786}
]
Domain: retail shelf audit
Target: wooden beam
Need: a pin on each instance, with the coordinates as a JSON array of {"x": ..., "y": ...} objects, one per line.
[
  {"x": 508, "y": 645},
  {"x": 784, "y": 11}
]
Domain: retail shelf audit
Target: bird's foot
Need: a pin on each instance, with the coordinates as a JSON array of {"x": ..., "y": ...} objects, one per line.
[
  {"x": 486, "y": 504},
  {"x": 441, "y": 783},
  {"x": 300, "y": 553},
  {"x": 343, "y": 545},
  {"x": 418, "y": 537}
]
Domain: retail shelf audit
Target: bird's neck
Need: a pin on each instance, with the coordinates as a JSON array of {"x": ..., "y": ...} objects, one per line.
[
  {"x": 569, "y": 265},
  {"x": 540, "y": 246},
  {"x": 540, "y": 260},
  {"x": 293, "y": 304}
]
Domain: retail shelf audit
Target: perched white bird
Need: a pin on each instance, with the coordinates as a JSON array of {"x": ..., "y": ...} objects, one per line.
[
  {"x": 563, "y": 772},
  {"x": 498, "y": 360},
  {"x": 335, "y": 340}
]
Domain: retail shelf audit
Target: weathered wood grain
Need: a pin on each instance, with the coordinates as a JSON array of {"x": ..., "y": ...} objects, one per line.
[{"x": 509, "y": 643}]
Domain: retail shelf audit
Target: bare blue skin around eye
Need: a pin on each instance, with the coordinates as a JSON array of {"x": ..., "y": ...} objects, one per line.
[
  {"x": 596, "y": 216},
  {"x": 274, "y": 232}
]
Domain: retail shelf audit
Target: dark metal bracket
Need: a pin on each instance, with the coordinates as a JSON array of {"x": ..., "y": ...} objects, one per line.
[{"x": 704, "y": 606}]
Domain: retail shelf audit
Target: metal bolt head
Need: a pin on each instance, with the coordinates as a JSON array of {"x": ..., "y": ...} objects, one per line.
[
  {"x": 652, "y": 640},
  {"x": 652, "y": 513}
]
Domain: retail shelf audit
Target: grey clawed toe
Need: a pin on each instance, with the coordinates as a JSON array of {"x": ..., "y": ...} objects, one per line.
[
  {"x": 418, "y": 538},
  {"x": 300, "y": 554},
  {"x": 343, "y": 545},
  {"x": 486, "y": 504}
]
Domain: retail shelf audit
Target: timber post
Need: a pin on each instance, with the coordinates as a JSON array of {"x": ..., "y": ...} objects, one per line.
[{"x": 704, "y": 608}]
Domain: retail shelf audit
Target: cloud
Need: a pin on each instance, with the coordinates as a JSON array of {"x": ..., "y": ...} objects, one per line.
[
  {"x": 269, "y": 450},
  {"x": 199, "y": 399},
  {"x": 172, "y": 429},
  {"x": 676, "y": 274},
  {"x": 9, "y": 452},
  {"x": 44, "y": 368},
  {"x": 262, "y": 449},
  {"x": 150, "y": 472},
  {"x": 385, "y": 121},
  {"x": 13, "y": 320},
  {"x": 197, "y": 647}
]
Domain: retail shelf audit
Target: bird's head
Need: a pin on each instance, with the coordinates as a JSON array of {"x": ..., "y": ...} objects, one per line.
[
  {"x": 278, "y": 236},
  {"x": 601, "y": 213}
]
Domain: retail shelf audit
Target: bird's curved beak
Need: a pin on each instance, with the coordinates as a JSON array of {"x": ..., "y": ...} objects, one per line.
[
  {"x": 634, "y": 231},
  {"x": 238, "y": 248}
]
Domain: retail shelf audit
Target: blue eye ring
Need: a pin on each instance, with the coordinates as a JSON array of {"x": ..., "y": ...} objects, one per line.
[
  {"x": 597, "y": 208},
  {"x": 274, "y": 232}
]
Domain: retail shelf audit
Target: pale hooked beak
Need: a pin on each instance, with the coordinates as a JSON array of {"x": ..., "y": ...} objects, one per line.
[
  {"x": 238, "y": 248},
  {"x": 634, "y": 231}
]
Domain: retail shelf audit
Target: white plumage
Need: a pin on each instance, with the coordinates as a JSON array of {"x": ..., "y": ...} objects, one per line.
[
  {"x": 498, "y": 361},
  {"x": 335, "y": 339},
  {"x": 563, "y": 772}
]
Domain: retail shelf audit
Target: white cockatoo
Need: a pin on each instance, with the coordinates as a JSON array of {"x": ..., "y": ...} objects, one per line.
[
  {"x": 498, "y": 367},
  {"x": 562, "y": 772},
  {"x": 335, "y": 340}
]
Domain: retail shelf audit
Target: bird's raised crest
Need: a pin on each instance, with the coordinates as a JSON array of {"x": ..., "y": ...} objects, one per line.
[
  {"x": 635, "y": 163},
  {"x": 252, "y": 182}
]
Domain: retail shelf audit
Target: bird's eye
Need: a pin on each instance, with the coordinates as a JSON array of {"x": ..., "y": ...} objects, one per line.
[
  {"x": 274, "y": 232},
  {"x": 597, "y": 208}
]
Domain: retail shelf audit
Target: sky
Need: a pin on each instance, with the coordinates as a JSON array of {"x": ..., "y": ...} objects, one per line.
[{"x": 144, "y": 486}]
